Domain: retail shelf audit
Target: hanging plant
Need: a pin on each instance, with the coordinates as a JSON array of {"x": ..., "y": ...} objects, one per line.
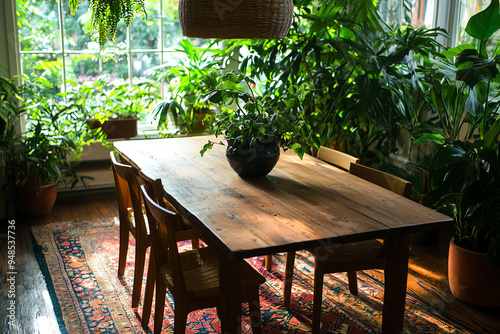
[{"x": 107, "y": 13}]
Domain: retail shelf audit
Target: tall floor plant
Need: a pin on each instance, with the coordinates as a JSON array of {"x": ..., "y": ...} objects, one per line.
[
  {"x": 347, "y": 74},
  {"x": 464, "y": 170}
]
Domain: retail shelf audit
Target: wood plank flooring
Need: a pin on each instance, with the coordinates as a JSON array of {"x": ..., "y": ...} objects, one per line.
[{"x": 35, "y": 314}]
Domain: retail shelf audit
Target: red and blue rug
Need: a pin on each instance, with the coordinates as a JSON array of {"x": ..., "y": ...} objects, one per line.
[{"x": 80, "y": 261}]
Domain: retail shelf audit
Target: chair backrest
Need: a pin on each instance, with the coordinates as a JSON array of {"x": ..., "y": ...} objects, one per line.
[
  {"x": 121, "y": 186},
  {"x": 162, "y": 224},
  {"x": 154, "y": 187},
  {"x": 336, "y": 158},
  {"x": 383, "y": 179},
  {"x": 129, "y": 188}
]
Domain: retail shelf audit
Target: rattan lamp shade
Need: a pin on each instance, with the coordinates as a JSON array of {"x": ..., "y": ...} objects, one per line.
[{"x": 228, "y": 19}]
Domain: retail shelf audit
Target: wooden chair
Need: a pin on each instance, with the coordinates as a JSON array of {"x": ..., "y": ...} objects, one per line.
[
  {"x": 350, "y": 257},
  {"x": 334, "y": 157},
  {"x": 192, "y": 277},
  {"x": 337, "y": 158},
  {"x": 132, "y": 220},
  {"x": 185, "y": 232}
]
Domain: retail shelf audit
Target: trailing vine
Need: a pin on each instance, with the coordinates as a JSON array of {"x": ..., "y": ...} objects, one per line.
[{"x": 107, "y": 13}]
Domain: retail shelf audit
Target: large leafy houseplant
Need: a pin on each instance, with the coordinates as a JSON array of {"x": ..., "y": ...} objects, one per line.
[
  {"x": 464, "y": 170},
  {"x": 55, "y": 135},
  {"x": 194, "y": 74},
  {"x": 355, "y": 81}
]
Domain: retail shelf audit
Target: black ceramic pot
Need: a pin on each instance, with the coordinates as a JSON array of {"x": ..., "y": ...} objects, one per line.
[{"x": 252, "y": 162}]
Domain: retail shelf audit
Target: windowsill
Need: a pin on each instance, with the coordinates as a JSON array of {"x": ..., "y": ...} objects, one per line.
[{"x": 95, "y": 162}]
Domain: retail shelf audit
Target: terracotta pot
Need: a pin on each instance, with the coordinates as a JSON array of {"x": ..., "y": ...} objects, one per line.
[
  {"x": 117, "y": 128},
  {"x": 32, "y": 202},
  {"x": 199, "y": 125},
  {"x": 472, "y": 280}
]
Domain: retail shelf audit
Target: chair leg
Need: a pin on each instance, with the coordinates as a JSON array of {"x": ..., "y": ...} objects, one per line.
[
  {"x": 195, "y": 243},
  {"x": 180, "y": 319},
  {"x": 318, "y": 296},
  {"x": 140, "y": 259},
  {"x": 353, "y": 282},
  {"x": 269, "y": 262},
  {"x": 287, "y": 287},
  {"x": 254, "y": 308},
  {"x": 122, "y": 253},
  {"x": 161, "y": 291},
  {"x": 148, "y": 293}
]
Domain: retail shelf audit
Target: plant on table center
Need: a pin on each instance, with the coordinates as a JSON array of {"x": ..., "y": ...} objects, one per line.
[{"x": 256, "y": 119}]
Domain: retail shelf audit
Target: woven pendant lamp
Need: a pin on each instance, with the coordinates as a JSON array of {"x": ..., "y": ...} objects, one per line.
[{"x": 229, "y": 19}]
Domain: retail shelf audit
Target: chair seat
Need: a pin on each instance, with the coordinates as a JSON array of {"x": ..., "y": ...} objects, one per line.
[
  {"x": 201, "y": 273},
  {"x": 350, "y": 252}
]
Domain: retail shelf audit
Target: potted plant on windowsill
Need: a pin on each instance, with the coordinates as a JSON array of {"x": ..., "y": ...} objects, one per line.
[
  {"x": 464, "y": 172},
  {"x": 256, "y": 129},
  {"x": 114, "y": 105},
  {"x": 194, "y": 74}
]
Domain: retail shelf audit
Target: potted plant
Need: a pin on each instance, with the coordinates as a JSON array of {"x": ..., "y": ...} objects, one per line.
[
  {"x": 464, "y": 170},
  {"x": 256, "y": 129},
  {"x": 194, "y": 74},
  {"x": 35, "y": 161},
  {"x": 113, "y": 105}
]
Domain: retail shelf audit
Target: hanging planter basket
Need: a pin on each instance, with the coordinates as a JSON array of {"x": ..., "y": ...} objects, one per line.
[{"x": 231, "y": 19}]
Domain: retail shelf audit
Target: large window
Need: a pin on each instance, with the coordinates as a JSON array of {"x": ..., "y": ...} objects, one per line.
[
  {"x": 60, "y": 46},
  {"x": 417, "y": 13}
]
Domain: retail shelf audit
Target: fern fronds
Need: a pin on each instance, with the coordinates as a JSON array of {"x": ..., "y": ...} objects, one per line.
[{"x": 107, "y": 13}]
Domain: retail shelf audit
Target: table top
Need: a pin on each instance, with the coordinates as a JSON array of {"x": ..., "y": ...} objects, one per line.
[{"x": 300, "y": 204}]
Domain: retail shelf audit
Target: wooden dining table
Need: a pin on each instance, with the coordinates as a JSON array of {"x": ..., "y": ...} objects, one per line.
[{"x": 301, "y": 203}]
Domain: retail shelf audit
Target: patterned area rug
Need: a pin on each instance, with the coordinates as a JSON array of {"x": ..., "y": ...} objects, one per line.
[{"x": 80, "y": 261}]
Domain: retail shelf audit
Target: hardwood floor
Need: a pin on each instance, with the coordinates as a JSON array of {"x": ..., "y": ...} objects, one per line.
[{"x": 34, "y": 312}]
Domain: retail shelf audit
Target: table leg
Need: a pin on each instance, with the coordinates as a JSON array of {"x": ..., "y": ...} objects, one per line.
[
  {"x": 230, "y": 310},
  {"x": 396, "y": 276}
]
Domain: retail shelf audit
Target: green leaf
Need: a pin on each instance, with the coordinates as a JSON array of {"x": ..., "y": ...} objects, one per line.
[
  {"x": 453, "y": 52},
  {"x": 207, "y": 146},
  {"x": 435, "y": 138},
  {"x": 485, "y": 23},
  {"x": 492, "y": 134},
  {"x": 473, "y": 106},
  {"x": 474, "y": 68},
  {"x": 449, "y": 155}
]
